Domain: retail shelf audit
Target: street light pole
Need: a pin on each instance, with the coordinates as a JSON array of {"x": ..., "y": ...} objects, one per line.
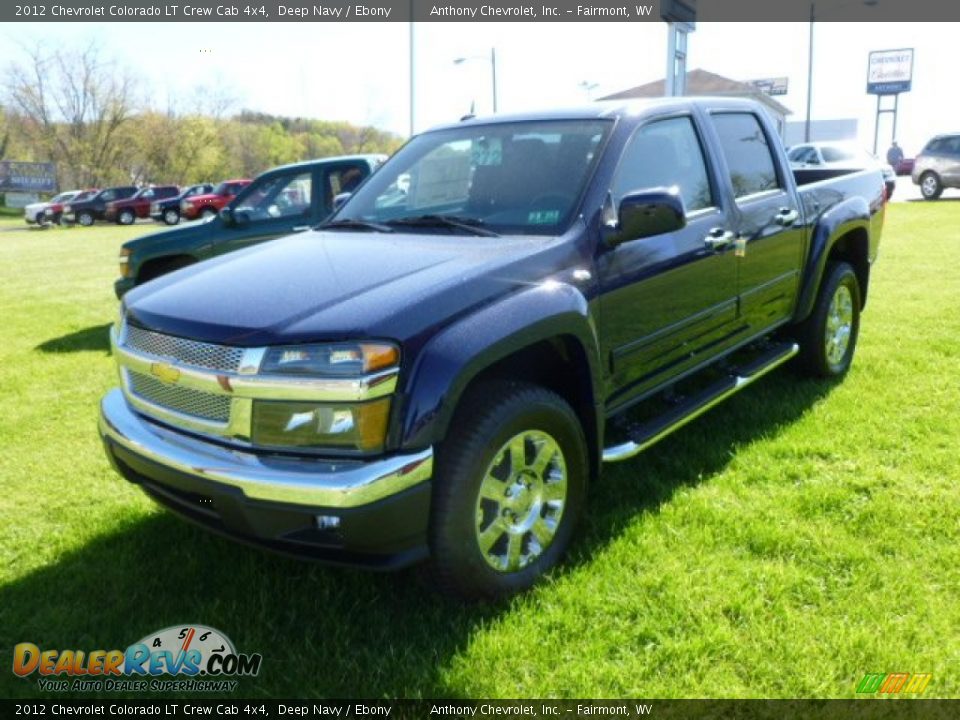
[
  {"x": 493, "y": 71},
  {"x": 806, "y": 126},
  {"x": 493, "y": 75}
]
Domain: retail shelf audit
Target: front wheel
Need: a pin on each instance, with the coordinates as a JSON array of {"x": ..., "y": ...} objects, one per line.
[
  {"x": 85, "y": 219},
  {"x": 171, "y": 217},
  {"x": 511, "y": 480},
  {"x": 930, "y": 186},
  {"x": 126, "y": 217},
  {"x": 828, "y": 338}
]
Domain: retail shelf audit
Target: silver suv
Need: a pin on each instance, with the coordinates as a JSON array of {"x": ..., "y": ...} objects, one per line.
[{"x": 938, "y": 166}]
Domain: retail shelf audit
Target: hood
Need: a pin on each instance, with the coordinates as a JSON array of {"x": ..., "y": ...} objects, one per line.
[
  {"x": 34, "y": 208},
  {"x": 182, "y": 238},
  {"x": 317, "y": 286}
]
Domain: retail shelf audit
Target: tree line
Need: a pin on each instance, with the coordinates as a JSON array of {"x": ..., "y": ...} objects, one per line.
[{"x": 78, "y": 109}]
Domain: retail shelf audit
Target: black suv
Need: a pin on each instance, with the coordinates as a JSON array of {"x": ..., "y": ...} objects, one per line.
[
  {"x": 167, "y": 210},
  {"x": 93, "y": 208}
]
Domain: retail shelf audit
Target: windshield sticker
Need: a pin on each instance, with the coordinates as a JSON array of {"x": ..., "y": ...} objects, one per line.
[{"x": 543, "y": 217}]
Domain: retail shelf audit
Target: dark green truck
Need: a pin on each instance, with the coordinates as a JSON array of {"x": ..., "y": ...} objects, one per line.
[{"x": 281, "y": 201}]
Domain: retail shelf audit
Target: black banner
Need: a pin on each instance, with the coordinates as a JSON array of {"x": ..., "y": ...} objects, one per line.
[
  {"x": 477, "y": 11},
  {"x": 865, "y": 709}
]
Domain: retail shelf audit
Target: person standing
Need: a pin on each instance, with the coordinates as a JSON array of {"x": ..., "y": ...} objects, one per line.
[{"x": 894, "y": 155}]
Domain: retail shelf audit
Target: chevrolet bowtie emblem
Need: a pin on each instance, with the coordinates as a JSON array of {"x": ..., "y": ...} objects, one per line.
[{"x": 167, "y": 373}]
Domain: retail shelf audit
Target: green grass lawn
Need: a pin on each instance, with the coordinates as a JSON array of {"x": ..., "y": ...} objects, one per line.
[{"x": 785, "y": 544}]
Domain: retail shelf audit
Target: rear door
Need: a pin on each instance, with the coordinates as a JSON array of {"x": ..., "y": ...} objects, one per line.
[
  {"x": 767, "y": 220},
  {"x": 667, "y": 301}
]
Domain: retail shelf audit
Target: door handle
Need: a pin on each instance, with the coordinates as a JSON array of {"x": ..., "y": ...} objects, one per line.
[
  {"x": 301, "y": 228},
  {"x": 718, "y": 238},
  {"x": 786, "y": 216}
]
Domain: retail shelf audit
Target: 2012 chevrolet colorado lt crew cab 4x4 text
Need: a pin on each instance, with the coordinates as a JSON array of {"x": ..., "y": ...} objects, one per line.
[{"x": 440, "y": 370}]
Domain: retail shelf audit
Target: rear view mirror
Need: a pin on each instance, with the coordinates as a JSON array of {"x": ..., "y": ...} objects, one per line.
[{"x": 647, "y": 213}]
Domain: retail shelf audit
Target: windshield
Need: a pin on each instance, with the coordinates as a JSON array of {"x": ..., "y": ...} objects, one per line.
[
  {"x": 143, "y": 194},
  {"x": 523, "y": 177},
  {"x": 62, "y": 197}
]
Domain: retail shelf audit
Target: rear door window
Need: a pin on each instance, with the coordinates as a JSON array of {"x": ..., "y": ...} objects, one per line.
[{"x": 747, "y": 152}]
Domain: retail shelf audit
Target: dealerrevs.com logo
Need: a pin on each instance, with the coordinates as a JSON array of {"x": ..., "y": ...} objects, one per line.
[{"x": 200, "y": 658}]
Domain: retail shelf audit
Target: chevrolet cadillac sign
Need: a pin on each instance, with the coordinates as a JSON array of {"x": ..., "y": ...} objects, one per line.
[
  {"x": 27, "y": 177},
  {"x": 890, "y": 71}
]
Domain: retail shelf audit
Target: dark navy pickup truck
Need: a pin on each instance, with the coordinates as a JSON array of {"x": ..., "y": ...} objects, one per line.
[{"x": 441, "y": 369}]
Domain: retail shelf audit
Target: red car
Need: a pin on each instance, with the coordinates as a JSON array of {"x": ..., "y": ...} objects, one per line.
[
  {"x": 126, "y": 211},
  {"x": 210, "y": 204}
]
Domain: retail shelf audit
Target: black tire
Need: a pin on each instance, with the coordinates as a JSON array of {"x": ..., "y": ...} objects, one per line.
[
  {"x": 171, "y": 216},
  {"x": 930, "y": 186},
  {"x": 126, "y": 217},
  {"x": 85, "y": 219},
  {"x": 486, "y": 420},
  {"x": 818, "y": 356}
]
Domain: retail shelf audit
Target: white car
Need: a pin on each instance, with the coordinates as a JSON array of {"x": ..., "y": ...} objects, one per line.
[
  {"x": 34, "y": 212},
  {"x": 839, "y": 156}
]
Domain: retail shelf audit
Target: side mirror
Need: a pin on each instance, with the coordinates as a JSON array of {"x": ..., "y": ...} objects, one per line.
[
  {"x": 647, "y": 213},
  {"x": 339, "y": 200}
]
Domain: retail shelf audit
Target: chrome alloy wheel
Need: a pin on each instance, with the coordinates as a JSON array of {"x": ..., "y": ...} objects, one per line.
[
  {"x": 839, "y": 325},
  {"x": 929, "y": 186},
  {"x": 521, "y": 501}
]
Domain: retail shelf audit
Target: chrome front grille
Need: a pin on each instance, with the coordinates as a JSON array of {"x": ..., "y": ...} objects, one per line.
[
  {"x": 184, "y": 400},
  {"x": 220, "y": 358}
]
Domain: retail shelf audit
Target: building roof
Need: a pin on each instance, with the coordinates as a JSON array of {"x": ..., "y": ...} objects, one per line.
[{"x": 703, "y": 82}]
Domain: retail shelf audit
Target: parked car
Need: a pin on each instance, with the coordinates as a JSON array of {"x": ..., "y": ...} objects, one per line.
[
  {"x": 904, "y": 167},
  {"x": 167, "y": 210},
  {"x": 938, "y": 166},
  {"x": 94, "y": 207},
  {"x": 35, "y": 213},
  {"x": 125, "y": 212},
  {"x": 442, "y": 377},
  {"x": 205, "y": 206},
  {"x": 279, "y": 202},
  {"x": 840, "y": 156}
]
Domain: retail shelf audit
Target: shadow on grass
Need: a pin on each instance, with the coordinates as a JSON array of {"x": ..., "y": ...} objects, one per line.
[
  {"x": 96, "y": 337},
  {"x": 332, "y": 632}
]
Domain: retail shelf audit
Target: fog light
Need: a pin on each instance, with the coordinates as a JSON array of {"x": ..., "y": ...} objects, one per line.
[{"x": 327, "y": 522}]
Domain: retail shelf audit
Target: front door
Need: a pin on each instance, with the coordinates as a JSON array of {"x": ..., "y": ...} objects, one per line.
[
  {"x": 273, "y": 206},
  {"x": 670, "y": 300}
]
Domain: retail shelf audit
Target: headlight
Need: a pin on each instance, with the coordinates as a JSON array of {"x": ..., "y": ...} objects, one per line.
[
  {"x": 336, "y": 359},
  {"x": 360, "y": 427},
  {"x": 124, "y": 261}
]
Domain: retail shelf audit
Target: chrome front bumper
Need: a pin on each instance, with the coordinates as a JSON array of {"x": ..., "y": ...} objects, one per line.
[{"x": 298, "y": 481}]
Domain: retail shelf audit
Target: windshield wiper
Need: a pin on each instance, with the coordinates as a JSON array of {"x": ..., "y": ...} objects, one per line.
[
  {"x": 353, "y": 224},
  {"x": 467, "y": 224}
]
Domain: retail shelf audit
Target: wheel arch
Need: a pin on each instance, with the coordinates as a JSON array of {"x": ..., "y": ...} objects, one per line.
[{"x": 541, "y": 336}]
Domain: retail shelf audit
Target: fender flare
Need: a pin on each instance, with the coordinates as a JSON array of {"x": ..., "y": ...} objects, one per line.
[
  {"x": 454, "y": 357},
  {"x": 838, "y": 221}
]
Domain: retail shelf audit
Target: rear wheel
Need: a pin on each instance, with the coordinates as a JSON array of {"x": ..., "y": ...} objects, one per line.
[
  {"x": 930, "y": 186},
  {"x": 171, "y": 216},
  {"x": 510, "y": 483},
  {"x": 828, "y": 338}
]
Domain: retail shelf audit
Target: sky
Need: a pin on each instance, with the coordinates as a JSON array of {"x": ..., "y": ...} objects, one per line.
[{"x": 360, "y": 72}]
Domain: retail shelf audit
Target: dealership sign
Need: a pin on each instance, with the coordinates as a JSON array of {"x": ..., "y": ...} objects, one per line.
[
  {"x": 890, "y": 71},
  {"x": 27, "y": 177},
  {"x": 771, "y": 86}
]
